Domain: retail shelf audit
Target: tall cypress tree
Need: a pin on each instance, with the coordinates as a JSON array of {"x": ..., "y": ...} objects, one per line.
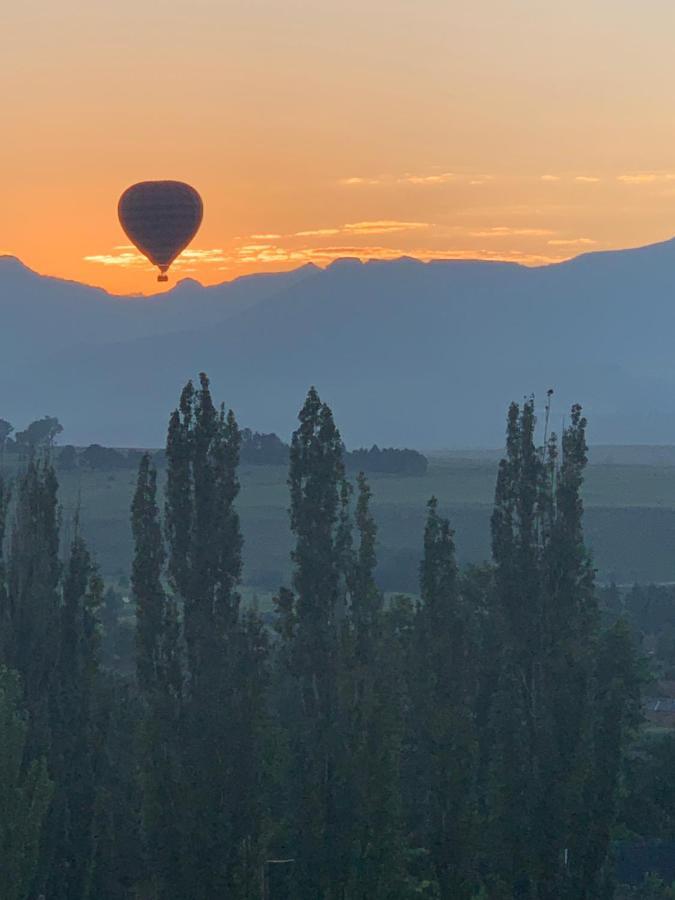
[
  {"x": 25, "y": 792},
  {"x": 74, "y": 753},
  {"x": 5, "y": 611},
  {"x": 222, "y": 710},
  {"x": 33, "y": 573},
  {"x": 443, "y": 691},
  {"x": 618, "y": 713},
  {"x": 516, "y": 698},
  {"x": 159, "y": 680},
  {"x": 311, "y": 624},
  {"x": 371, "y": 715},
  {"x": 118, "y": 867},
  {"x": 543, "y": 711},
  {"x": 569, "y": 645}
]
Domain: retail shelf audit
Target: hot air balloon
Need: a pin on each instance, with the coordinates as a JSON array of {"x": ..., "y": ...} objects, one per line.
[{"x": 160, "y": 218}]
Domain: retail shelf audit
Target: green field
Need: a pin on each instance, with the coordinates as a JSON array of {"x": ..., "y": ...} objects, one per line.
[{"x": 630, "y": 519}]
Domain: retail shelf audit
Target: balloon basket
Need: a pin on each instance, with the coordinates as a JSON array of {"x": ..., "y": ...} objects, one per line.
[{"x": 162, "y": 278}]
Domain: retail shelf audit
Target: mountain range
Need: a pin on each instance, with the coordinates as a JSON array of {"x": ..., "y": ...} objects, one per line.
[{"x": 423, "y": 354}]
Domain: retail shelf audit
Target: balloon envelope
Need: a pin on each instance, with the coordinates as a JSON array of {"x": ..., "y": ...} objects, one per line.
[{"x": 160, "y": 218}]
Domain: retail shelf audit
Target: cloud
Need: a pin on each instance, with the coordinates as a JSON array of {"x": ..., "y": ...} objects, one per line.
[
  {"x": 209, "y": 256},
  {"x": 269, "y": 253},
  {"x": 441, "y": 178},
  {"x": 356, "y": 180},
  {"x": 508, "y": 231},
  {"x": 274, "y": 254},
  {"x": 382, "y": 226},
  {"x": 582, "y": 179},
  {"x": 571, "y": 242},
  {"x": 126, "y": 256},
  {"x": 428, "y": 179},
  {"x": 125, "y": 259},
  {"x": 378, "y": 226},
  {"x": 645, "y": 177},
  {"x": 265, "y": 237},
  {"x": 317, "y": 232}
]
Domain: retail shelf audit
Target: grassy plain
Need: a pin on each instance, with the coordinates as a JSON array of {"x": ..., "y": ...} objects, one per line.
[{"x": 630, "y": 519}]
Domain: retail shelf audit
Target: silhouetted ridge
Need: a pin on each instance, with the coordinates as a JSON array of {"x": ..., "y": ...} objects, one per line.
[{"x": 404, "y": 350}]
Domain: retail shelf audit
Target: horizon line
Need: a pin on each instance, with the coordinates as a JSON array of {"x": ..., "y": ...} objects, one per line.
[{"x": 361, "y": 261}]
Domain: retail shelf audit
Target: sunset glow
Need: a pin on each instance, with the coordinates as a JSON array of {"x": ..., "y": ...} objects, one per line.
[{"x": 523, "y": 131}]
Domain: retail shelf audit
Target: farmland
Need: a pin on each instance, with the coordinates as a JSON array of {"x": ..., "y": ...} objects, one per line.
[{"x": 630, "y": 518}]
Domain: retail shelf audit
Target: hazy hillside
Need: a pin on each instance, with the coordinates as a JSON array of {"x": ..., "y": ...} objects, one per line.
[{"x": 406, "y": 352}]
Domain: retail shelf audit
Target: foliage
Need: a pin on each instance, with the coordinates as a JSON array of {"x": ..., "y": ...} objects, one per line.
[
  {"x": 388, "y": 460},
  {"x": 443, "y": 688},
  {"x": 269, "y": 450},
  {"x": 97, "y": 457},
  {"x": 222, "y": 704},
  {"x": 24, "y": 795},
  {"x": 41, "y": 433},
  {"x": 263, "y": 449},
  {"x": 67, "y": 459},
  {"x": 6, "y": 428},
  {"x": 478, "y": 739}
]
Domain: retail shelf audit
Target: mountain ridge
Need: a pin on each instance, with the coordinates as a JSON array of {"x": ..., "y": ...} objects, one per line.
[{"x": 407, "y": 352}]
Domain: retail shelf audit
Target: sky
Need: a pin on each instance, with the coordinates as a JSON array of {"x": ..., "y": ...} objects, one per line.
[{"x": 494, "y": 129}]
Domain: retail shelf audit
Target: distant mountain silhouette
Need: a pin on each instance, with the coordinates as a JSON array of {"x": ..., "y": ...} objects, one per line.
[{"x": 407, "y": 353}]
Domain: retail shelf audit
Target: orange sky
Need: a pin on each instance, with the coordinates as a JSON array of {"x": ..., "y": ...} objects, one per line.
[{"x": 507, "y": 129}]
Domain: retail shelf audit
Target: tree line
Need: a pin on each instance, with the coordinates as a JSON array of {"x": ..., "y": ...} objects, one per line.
[
  {"x": 255, "y": 448},
  {"x": 466, "y": 742}
]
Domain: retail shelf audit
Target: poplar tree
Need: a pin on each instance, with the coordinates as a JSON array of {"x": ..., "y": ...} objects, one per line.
[
  {"x": 312, "y": 618},
  {"x": 74, "y": 752},
  {"x": 222, "y": 708},
  {"x": 160, "y": 686},
  {"x": 5, "y": 611},
  {"x": 25, "y": 791},
  {"x": 32, "y": 599},
  {"x": 516, "y": 700},
  {"x": 544, "y": 708},
  {"x": 372, "y": 702},
  {"x": 118, "y": 866},
  {"x": 443, "y": 693},
  {"x": 618, "y": 715}
]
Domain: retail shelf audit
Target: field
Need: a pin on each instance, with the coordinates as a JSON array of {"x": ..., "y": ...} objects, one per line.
[{"x": 630, "y": 519}]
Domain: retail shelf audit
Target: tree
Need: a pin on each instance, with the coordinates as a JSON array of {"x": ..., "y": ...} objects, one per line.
[
  {"x": 371, "y": 699},
  {"x": 544, "y": 718},
  {"x": 311, "y": 622},
  {"x": 40, "y": 433},
  {"x": 5, "y": 430},
  {"x": 225, "y": 652},
  {"x": 387, "y": 460},
  {"x": 618, "y": 714},
  {"x": 97, "y": 458},
  {"x": 118, "y": 868},
  {"x": 74, "y": 756},
  {"x": 443, "y": 692},
  {"x": 68, "y": 460},
  {"x": 520, "y": 708},
  {"x": 5, "y": 608},
  {"x": 160, "y": 683},
  {"x": 31, "y": 617},
  {"x": 25, "y": 792},
  {"x": 263, "y": 449}
]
